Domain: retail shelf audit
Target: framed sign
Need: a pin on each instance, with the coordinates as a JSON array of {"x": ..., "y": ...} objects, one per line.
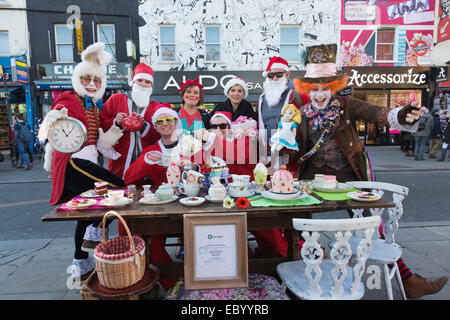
[{"x": 215, "y": 251}]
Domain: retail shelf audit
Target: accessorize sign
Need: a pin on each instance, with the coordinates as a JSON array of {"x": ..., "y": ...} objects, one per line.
[{"x": 388, "y": 77}]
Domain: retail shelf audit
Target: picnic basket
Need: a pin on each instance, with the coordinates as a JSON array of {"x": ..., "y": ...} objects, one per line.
[{"x": 120, "y": 262}]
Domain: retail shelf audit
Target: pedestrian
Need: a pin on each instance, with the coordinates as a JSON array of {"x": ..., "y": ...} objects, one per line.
[
  {"x": 22, "y": 135},
  {"x": 422, "y": 134},
  {"x": 436, "y": 133},
  {"x": 445, "y": 138},
  {"x": 236, "y": 90},
  {"x": 408, "y": 143}
]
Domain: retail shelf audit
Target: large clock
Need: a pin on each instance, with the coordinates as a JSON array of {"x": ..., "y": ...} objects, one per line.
[{"x": 67, "y": 135}]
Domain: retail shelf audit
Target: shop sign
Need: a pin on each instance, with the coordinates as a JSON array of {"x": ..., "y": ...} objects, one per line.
[
  {"x": 359, "y": 11},
  {"x": 443, "y": 23},
  {"x": 63, "y": 71},
  {"x": 387, "y": 77},
  {"x": 167, "y": 83},
  {"x": 439, "y": 74}
]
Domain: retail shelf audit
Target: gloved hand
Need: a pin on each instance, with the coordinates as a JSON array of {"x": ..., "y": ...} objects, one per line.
[
  {"x": 49, "y": 119},
  {"x": 109, "y": 138},
  {"x": 48, "y": 158}
]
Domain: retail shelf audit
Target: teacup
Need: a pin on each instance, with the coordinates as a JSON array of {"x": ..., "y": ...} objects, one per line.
[
  {"x": 192, "y": 177},
  {"x": 240, "y": 179},
  {"x": 237, "y": 190},
  {"x": 190, "y": 189},
  {"x": 115, "y": 195}
]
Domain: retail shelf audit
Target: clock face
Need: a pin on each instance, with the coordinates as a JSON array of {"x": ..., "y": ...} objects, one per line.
[{"x": 67, "y": 135}]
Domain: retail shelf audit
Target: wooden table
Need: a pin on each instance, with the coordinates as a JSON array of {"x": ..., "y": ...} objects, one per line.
[{"x": 168, "y": 219}]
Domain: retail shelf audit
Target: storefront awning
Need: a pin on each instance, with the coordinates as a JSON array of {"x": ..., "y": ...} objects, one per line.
[{"x": 67, "y": 85}]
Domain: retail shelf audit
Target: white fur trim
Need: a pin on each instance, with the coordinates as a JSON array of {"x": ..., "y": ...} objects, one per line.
[
  {"x": 48, "y": 157},
  {"x": 394, "y": 124},
  {"x": 144, "y": 76},
  {"x": 216, "y": 115},
  {"x": 279, "y": 66}
]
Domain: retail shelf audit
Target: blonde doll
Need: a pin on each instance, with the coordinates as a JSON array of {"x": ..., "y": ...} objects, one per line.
[{"x": 287, "y": 129}]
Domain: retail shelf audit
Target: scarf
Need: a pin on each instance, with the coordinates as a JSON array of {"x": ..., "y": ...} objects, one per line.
[{"x": 321, "y": 119}]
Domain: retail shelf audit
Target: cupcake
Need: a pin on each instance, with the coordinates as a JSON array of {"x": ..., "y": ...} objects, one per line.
[{"x": 260, "y": 172}]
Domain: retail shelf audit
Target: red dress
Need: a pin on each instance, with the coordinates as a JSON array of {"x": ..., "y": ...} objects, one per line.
[{"x": 119, "y": 102}]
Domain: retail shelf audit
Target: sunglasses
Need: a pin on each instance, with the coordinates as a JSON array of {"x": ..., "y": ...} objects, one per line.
[
  {"x": 88, "y": 79},
  {"x": 168, "y": 120},
  {"x": 271, "y": 75},
  {"x": 222, "y": 126}
]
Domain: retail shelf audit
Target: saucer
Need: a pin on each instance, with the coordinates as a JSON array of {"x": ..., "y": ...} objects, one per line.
[
  {"x": 122, "y": 202},
  {"x": 208, "y": 197},
  {"x": 156, "y": 201},
  {"x": 249, "y": 193},
  {"x": 91, "y": 194},
  {"x": 81, "y": 204},
  {"x": 192, "y": 201},
  {"x": 282, "y": 196},
  {"x": 340, "y": 187},
  {"x": 363, "y": 196}
]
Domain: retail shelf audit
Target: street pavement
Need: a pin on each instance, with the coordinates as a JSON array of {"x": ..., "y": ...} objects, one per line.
[{"x": 37, "y": 269}]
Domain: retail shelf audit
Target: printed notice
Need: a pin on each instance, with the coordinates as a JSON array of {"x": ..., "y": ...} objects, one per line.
[{"x": 216, "y": 251}]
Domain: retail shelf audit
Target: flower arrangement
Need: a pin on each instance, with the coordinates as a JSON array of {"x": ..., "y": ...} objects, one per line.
[{"x": 354, "y": 56}]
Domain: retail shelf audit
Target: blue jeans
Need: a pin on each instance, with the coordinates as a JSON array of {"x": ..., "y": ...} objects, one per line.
[
  {"x": 21, "y": 150},
  {"x": 420, "y": 147}
]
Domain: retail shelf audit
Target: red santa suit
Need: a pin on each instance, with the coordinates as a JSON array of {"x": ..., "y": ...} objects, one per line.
[{"x": 120, "y": 102}]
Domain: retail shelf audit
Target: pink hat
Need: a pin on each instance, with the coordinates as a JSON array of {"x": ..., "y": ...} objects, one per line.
[
  {"x": 278, "y": 63},
  {"x": 224, "y": 114},
  {"x": 143, "y": 71}
]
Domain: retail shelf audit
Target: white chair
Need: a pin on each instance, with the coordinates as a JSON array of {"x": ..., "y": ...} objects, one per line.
[
  {"x": 385, "y": 251},
  {"x": 331, "y": 279}
]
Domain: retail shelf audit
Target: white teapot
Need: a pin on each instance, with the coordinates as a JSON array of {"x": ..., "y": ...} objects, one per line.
[{"x": 217, "y": 191}]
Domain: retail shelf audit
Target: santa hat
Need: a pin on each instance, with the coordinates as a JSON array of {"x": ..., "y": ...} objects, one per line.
[
  {"x": 142, "y": 71},
  {"x": 222, "y": 114},
  {"x": 94, "y": 62},
  {"x": 276, "y": 63},
  {"x": 236, "y": 81},
  {"x": 166, "y": 108},
  {"x": 194, "y": 82}
]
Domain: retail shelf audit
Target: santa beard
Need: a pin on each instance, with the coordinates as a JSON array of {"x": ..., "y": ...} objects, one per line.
[
  {"x": 140, "y": 95},
  {"x": 273, "y": 90}
]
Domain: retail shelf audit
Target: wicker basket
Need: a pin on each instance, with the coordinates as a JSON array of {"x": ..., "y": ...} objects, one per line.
[{"x": 120, "y": 262}]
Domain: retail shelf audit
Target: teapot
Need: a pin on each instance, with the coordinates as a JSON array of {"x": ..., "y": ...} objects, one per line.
[
  {"x": 132, "y": 122},
  {"x": 164, "y": 192},
  {"x": 217, "y": 191}
]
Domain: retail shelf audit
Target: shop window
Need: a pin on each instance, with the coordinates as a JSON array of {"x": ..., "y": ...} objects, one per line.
[
  {"x": 385, "y": 45},
  {"x": 167, "y": 43},
  {"x": 290, "y": 43},
  {"x": 212, "y": 43},
  {"x": 401, "y": 98},
  {"x": 63, "y": 43},
  {"x": 106, "y": 33},
  {"x": 4, "y": 42}
]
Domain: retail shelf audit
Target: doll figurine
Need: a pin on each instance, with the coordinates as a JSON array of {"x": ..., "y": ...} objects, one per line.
[{"x": 287, "y": 128}]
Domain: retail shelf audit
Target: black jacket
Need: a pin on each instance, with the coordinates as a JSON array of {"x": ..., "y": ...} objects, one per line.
[{"x": 244, "y": 109}]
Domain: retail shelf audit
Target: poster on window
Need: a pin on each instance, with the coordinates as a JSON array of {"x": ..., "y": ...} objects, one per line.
[{"x": 443, "y": 29}]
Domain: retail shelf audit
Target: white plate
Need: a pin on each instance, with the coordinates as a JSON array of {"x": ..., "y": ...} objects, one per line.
[
  {"x": 280, "y": 196},
  {"x": 90, "y": 194},
  {"x": 341, "y": 187},
  {"x": 108, "y": 203},
  {"x": 192, "y": 203},
  {"x": 89, "y": 202},
  {"x": 208, "y": 197},
  {"x": 151, "y": 201},
  {"x": 355, "y": 195}
]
